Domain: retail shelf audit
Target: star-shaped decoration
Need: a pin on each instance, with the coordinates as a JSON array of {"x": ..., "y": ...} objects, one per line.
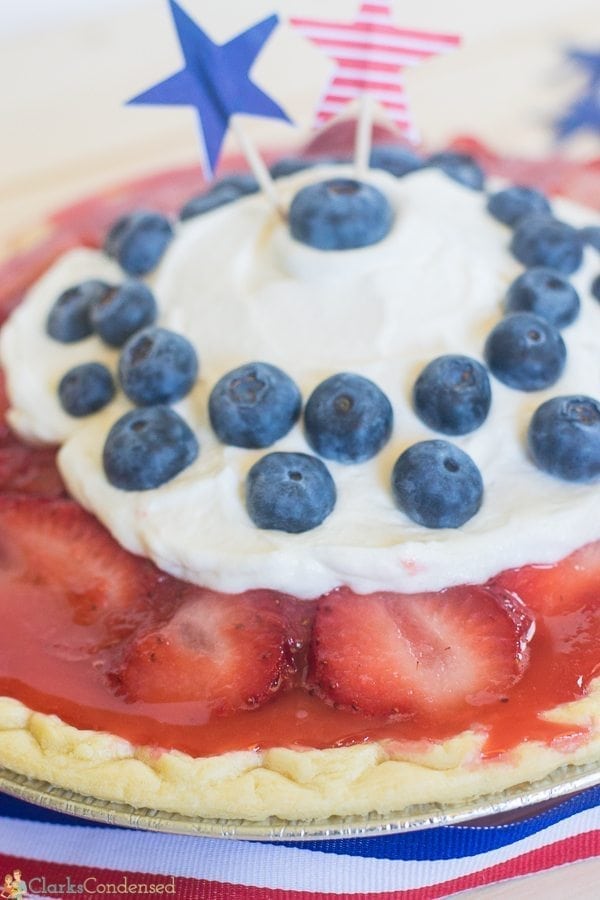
[
  {"x": 215, "y": 81},
  {"x": 370, "y": 55},
  {"x": 584, "y": 112}
]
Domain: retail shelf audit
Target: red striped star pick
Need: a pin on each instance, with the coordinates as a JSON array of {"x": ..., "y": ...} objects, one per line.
[{"x": 370, "y": 55}]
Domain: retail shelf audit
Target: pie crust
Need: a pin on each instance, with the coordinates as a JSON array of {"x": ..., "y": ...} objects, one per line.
[{"x": 289, "y": 784}]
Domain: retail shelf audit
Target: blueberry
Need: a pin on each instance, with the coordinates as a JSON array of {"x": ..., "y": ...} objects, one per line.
[
  {"x": 525, "y": 352},
  {"x": 348, "y": 418},
  {"x": 138, "y": 241},
  {"x": 547, "y": 294},
  {"x": 591, "y": 236},
  {"x": 254, "y": 405},
  {"x": 340, "y": 214},
  {"x": 222, "y": 192},
  {"x": 514, "y": 203},
  {"x": 157, "y": 366},
  {"x": 122, "y": 311},
  {"x": 148, "y": 447},
  {"x": 395, "y": 159},
  {"x": 595, "y": 288},
  {"x": 541, "y": 240},
  {"x": 69, "y": 319},
  {"x": 460, "y": 167},
  {"x": 85, "y": 389},
  {"x": 290, "y": 165},
  {"x": 452, "y": 394},
  {"x": 291, "y": 492},
  {"x": 564, "y": 438},
  {"x": 437, "y": 485}
]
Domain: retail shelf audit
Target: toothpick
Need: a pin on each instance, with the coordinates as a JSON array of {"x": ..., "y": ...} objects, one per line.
[
  {"x": 257, "y": 165},
  {"x": 364, "y": 134}
]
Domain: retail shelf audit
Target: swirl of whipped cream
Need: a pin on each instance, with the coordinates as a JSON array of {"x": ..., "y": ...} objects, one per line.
[{"x": 241, "y": 289}]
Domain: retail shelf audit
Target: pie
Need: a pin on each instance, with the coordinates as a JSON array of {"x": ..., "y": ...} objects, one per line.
[{"x": 164, "y": 650}]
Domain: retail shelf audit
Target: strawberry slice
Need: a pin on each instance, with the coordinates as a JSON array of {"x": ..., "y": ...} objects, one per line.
[
  {"x": 24, "y": 469},
  {"x": 57, "y": 547},
  {"x": 226, "y": 652},
  {"x": 29, "y": 470},
  {"x": 564, "y": 587},
  {"x": 392, "y": 654},
  {"x": 19, "y": 272}
]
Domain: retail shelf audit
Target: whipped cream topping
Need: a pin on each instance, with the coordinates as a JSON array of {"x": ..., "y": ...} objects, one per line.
[{"x": 241, "y": 289}]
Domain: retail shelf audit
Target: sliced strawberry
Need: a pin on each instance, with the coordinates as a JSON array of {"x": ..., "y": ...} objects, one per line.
[
  {"x": 226, "y": 652},
  {"x": 560, "y": 588},
  {"x": 5, "y": 432},
  {"x": 25, "y": 469},
  {"x": 29, "y": 470},
  {"x": 57, "y": 546},
  {"x": 392, "y": 654}
]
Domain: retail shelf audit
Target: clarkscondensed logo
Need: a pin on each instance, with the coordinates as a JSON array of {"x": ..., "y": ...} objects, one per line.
[{"x": 15, "y": 888}]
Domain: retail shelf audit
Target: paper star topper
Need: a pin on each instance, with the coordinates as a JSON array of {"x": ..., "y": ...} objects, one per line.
[
  {"x": 370, "y": 55},
  {"x": 215, "y": 81},
  {"x": 584, "y": 113}
]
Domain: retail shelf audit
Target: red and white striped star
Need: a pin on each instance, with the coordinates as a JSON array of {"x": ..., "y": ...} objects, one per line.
[{"x": 370, "y": 55}]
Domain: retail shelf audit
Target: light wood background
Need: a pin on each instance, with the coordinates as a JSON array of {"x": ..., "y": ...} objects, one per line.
[
  {"x": 67, "y": 66},
  {"x": 65, "y": 78}
]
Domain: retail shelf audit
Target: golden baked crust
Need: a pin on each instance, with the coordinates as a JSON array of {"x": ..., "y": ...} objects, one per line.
[{"x": 290, "y": 784}]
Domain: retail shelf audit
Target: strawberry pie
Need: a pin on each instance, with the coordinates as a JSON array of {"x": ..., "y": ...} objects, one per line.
[{"x": 298, "y": 514}]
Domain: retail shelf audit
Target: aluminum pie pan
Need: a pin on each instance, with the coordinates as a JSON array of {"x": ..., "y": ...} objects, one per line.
[{"x": 512, "y": 804}]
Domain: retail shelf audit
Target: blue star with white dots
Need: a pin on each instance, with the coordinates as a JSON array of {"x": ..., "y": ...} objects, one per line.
[
  {"x": 215, "y": 80},
  {"x": 584, "y": 113}
]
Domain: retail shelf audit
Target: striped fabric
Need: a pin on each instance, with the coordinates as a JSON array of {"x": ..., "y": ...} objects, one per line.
[
  {"x": 370, "y": 55},
  {"x": 63, "y": 857}
]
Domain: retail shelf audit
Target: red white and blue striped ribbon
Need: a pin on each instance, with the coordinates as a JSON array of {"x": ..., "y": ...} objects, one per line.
[{"x": 55, "y": 852}]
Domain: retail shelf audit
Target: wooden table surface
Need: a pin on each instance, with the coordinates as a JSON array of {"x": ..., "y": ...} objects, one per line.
[{"x": 71, "y": 66}]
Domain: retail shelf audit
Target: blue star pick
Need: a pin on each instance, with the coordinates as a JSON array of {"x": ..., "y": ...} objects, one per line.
[
  {"x": 584, "y": 113},
  {"x": 215, "y": 81}
]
